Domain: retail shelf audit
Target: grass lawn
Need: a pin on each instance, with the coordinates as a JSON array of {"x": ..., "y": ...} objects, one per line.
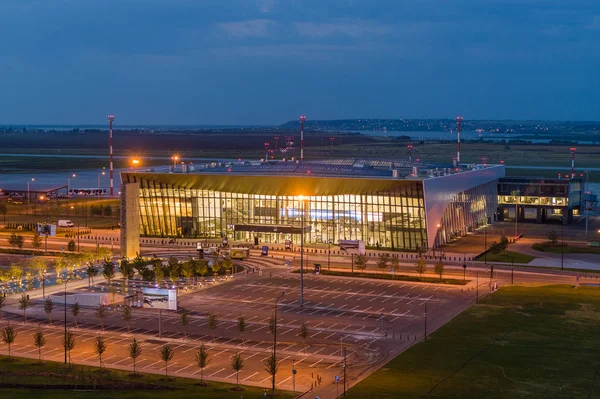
[
  {"x": 568, "y": 249},
  {"x": 506, "y": 256},
  {"x": 27, "y": 372},
  {"x": 520, "y": 342},
  {"x": 397, "y": 277}
]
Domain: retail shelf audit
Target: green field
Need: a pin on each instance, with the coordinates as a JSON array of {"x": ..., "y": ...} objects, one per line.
[
  {"x": 520, "y": 342},
  {"x": 506, "y": 256},
  {"x": 54, "y": 380},
  {"x": 567, "y": 249}
]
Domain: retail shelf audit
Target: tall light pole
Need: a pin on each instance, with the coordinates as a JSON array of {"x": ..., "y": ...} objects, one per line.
[
  {"x": 425, "y": 320},
  {"x": 302, "y": 120},
  {"x": 174, "y": 158},
  {"x": 111, "y": 118},
  {"x": 69, "y": 184},
  {"x": 28, "y": 196},
  {"x": 302, "y": 201},
  {"x": 100, "y": 173},
  {"x": 328, "y": 253},
  {"x": 65, "y": 299},
  {"x": 459, "y": 120},
  {"x": 275, "y": 338},
  {"x": 562, "y": 243}
]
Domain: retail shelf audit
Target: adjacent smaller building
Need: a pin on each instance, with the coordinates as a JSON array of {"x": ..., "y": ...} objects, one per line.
[{"x": 539, "y": 199}]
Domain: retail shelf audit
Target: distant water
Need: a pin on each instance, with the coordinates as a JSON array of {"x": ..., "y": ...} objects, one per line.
[{"x": 467, "y": 135}]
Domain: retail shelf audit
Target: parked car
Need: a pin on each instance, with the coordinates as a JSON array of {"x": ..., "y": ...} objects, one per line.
[{"x": 594, "y": 244}]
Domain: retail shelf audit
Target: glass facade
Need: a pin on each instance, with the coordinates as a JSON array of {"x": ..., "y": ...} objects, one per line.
[
  {"x": 393, "y": 219},
  {"x": 467, "y": 211}
]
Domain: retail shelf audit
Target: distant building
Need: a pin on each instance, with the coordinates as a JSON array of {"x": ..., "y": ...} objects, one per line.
[
  {"x": 392, "y": 204},
  {"x": 539, "y": 199}
]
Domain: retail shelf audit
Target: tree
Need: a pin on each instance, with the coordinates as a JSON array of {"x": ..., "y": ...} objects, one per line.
[
  {"x": 135, "y": 350},
  {"x": 20, "y": 241},
  {"x": 304, "y": 333},
  {"x": 166, "y": 354},
  {"x": 15, "y": 272},
  {"x": 127, "y": 269},
  {"x": 159, "y": 273},
  {"x": 361, "y": 262},
  {"x": 9, "y": 334},
  {"x": 227, "y": 265},
  {"x": 272, "y": 324},
  {"x": 101, "y": 313},
  {"x": 100, "y": 348},
  {"x": 68, "y": 343},
  {"x": 71, "y": 246},
  {"x": 108, "y": 211},
  {"x": 241, "y": 326},
  {"x": 126, "y": 315},
  {"x": 553, "y": 237},
  {"x": 108, "y": 270},
  {"x": 3, "y": 211},
  {"x": 216, "y": 267},
  {"x": 91, "y": 272},
  {"x": 75, "y": 312},
  {"x": 201, "y": 267},
  {"x": 39, "y": 341},
  {"x": 48, "y": 305},
  {"x": 187, "y": 270},
  {"x": 38, "y": 265},
  {"x": 438, "y": 268},
  {"x": 16, "y": 240},
  {"x": 202, "y": 361},
  {"x": 271, "y": 367},
  {"x": 36, "y": 240},
  {"x": 174, "y": 269},
  {"x": 24, "y": 303},
  {"x": 184, "y": 318},
  {"x": 382, "y": 262},
  {"x": 421, "y": 265},
  {"x": 2, "y": 303},
  {"x": 237, "y": 364},
  {"x": 212, "y": 324}
]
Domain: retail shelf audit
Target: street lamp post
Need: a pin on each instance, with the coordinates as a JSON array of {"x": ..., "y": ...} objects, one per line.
[
  {"x": 562, "y": 243},
  {"x": 103, "y": 173},
  {"x": 425, "y": 320},
  {"x": 28, "y": 196},
  {"x": 464, "y": 270},
  {"x": 174, "y": 158},
  {"x": 512, "y": 270},
  {"x": 485, "y": 244},
  {"x": 328, "y": 254},
  {"x": 302, "y": 252},
  {"x": 65, "y": 300},
  {"x": 477, "y": 287},
  {"x": 275, "y": 337}
]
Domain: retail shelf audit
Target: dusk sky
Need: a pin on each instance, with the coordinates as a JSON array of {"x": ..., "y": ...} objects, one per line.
[{"x": 268, "y": 61}]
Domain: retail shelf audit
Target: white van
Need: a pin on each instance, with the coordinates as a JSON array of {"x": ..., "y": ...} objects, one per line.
[{"x": 65, "y": 223}]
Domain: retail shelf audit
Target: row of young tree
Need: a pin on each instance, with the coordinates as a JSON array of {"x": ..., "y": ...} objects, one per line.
[
  {"x": 167, "y": 352},
  {"x": 386, "y": 262},
  {"x": 154, "y": 270},
  {"x": 39, "y": 266}
]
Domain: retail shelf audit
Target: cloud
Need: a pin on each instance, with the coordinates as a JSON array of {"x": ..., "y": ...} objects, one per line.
[
  {"x": 351, "y": 28},
  {"x": 249, "y": 28}
]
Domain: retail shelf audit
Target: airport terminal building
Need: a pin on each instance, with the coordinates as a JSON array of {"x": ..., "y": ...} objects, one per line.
[{"x": 392, "y": 204}]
